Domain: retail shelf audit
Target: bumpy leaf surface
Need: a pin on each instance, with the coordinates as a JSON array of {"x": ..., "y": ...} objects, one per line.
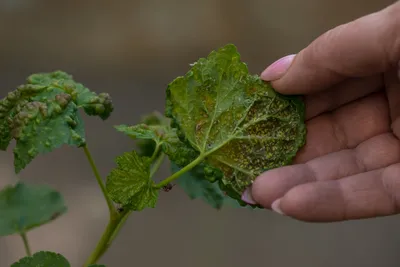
[
  {"x": 130, "y": 185},
  {"x": 43, "y": 259},
  {"x": 233, "y": 120},
  {"x": 24, "y": 207},
  {"x": 42, "y": 115}
]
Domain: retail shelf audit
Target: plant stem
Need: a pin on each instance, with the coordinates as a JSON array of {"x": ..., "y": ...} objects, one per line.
[
  {"x": 26, "y": 244},
  {"x": 176, "y": 175},
  {"x": 157, "y": 164},
  {"x": 121, "y": 223},
  {"x": 112, "y": 224},
  {"x": 155, "y": 153},
  {"x": 110, "y": 204}
]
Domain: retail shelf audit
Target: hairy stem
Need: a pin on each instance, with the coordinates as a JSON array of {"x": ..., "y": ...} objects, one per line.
[
  {"x": 26, "y": 244},
  {"x": 110, "y": 204},
  {"x": 176, "y": 175}
]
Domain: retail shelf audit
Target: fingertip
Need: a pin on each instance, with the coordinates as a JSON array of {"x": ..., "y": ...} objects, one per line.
[
  {"x": 277, "y": 69},
  {"x": 248, "y": 197},
  {"x": 273, "y": 184}
]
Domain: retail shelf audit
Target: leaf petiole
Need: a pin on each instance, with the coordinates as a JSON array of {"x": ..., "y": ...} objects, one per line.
[
  {"x": 26, "y": 244},
  {"x": 110, "y": 204},
  {"x": 177, "y": 174}
]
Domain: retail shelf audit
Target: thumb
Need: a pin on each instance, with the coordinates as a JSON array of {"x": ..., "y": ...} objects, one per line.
[{"x": 366, "y": 46}]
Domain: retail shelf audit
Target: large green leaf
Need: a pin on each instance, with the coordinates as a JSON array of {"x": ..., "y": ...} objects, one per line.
[
  {"x": 43, "y": 259},
  {"x": 24, "y": 207},
  {"x": 42, "y": 115},
  {"x": 130, "y": 185},
  {"x": 234, "y": 121}
]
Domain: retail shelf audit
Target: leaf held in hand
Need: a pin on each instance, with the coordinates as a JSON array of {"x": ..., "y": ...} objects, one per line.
[
  {"x": 233, "y": 120},
  {"x": 24, "y": 207},
  {"x": 130, "y": 185},
  {"x": 42, "y": 115},
  {"x": 43, "y": 259}
]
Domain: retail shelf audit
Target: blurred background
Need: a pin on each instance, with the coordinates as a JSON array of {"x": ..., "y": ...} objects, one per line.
[{"x": 133, "y": 49}]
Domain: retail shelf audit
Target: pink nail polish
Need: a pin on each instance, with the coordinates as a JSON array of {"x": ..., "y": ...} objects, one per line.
[
  {"x": 275, "y": 206},
  {"x": 247, "y": 197},
  {"x": 277, "y": 69}
]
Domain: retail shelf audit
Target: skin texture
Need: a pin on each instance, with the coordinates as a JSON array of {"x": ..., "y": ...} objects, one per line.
[{"x": 350, "y": 167}]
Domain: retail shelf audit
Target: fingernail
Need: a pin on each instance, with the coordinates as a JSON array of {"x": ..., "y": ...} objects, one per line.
[
  {"x": 277, "y": 69},
  {"x": 276, "y": 206},
  {"x": 247, "y": 197}
]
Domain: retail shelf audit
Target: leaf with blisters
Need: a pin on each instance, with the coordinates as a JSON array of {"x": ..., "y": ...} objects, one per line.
[
  {"x": 43, "y": 259},
  {"x": 234, "y": 121},
  {"x": 24, "y": 207},
  {"x": 130, "y": 185},
  {"x": 43, "y": 114}
]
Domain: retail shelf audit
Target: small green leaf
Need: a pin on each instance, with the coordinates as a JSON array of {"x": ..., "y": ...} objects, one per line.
[
  {"x": 42, "y": 115},
  {"x": 153, "y": 130},
  {"x": 143, "y": 131},
  {"x": 234, "y": 121},
  {"x": 24, "y": 207},
  {"x": 130, "y": 185},
  {"x": 196, "y": 186},
  {"x": 147, "y": 147},
  {"x": 43, "y": 259}
]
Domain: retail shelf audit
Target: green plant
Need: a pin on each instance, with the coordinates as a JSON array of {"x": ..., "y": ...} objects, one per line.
[{"x": 222, "y": 127}]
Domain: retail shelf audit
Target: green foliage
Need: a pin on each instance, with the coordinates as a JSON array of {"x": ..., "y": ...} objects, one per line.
[
  {"x": 153, "y": 131},
  {"x": 233, "y": 120},
  {"x": 43, "y": 259},
  {"x": 46, "y": 259},
  {"x": 42, "y": 115},
  {"x": 24, "y": 207},
  {"x": 197, "y": 187},
  {"x": 222, "y": 127},
  {"x": 146, "y": 147},
  {"x": 130, "y": 185}
]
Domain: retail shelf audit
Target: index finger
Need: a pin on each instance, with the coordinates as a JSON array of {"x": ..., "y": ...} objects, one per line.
[{"x": 366, "y": 46}]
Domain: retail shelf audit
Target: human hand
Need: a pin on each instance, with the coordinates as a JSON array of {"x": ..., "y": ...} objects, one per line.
[{"x": 350, "y": 165}]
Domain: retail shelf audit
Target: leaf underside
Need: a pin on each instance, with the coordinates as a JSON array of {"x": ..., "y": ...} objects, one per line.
[
  {"x": 24, "y": 207},
  {"x": 236, "y": 122},
  {"x": 42, "y": 115}
]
